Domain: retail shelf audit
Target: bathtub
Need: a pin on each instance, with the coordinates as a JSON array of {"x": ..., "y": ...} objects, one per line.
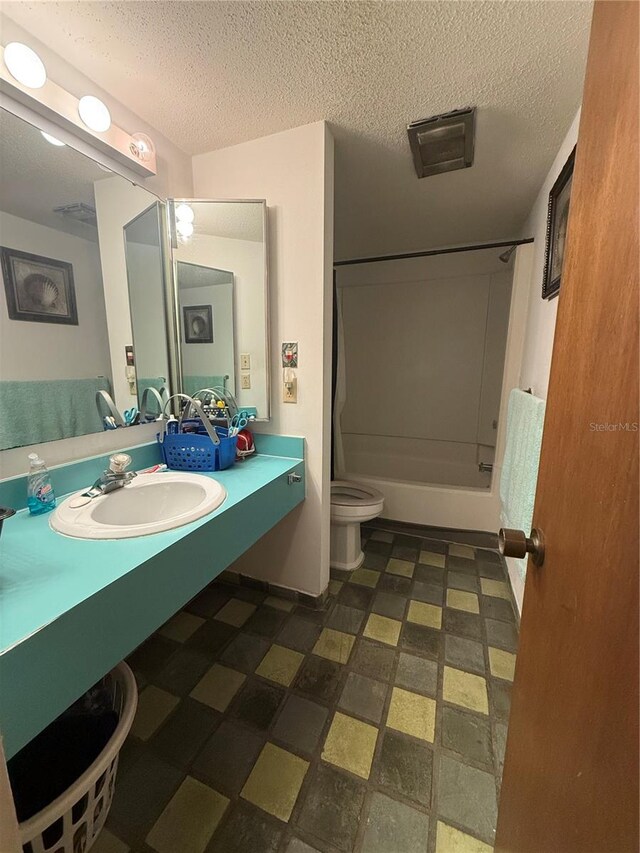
[{"x": 426, "y": 482}]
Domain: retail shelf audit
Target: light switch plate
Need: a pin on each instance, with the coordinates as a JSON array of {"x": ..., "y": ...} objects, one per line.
[
  {"x": 245, "y": 361},
  {"x": 245, "y": 381},
  {"x": 290, "y": 354}
]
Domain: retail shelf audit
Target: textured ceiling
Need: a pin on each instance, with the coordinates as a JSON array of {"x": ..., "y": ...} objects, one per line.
[
  {"x": 193, "y": 275},
  {"x": 236, "y": 220},
  {"x": 211, "y": 74}
]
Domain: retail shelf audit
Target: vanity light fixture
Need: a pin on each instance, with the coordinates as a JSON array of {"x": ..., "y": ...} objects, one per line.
[
  {"x": 184, "y": 213},
  {"x": 52, "y": 139},
  {"x": 25, "y": 65},
  {"x": 94, "y": 113},
  {"x": 85, "y": 122},
  {"x": 142, "y": 147}
]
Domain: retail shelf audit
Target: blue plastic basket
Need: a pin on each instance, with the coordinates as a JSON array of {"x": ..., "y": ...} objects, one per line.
[{"x": 194, "y": 452}]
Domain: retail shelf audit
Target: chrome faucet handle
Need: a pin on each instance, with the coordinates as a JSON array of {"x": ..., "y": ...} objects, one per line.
[{"x": 118, "y": 462}]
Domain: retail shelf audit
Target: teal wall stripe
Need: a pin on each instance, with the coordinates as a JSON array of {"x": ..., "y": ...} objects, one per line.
[
  {"x": 75, "y": 475},
  {"x": 279, "y": 445}
]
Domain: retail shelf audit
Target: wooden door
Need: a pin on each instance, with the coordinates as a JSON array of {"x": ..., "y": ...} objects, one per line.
[{"x": 571, "y": 773}]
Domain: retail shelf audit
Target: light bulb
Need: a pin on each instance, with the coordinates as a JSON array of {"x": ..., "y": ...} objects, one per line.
[
  {"x": 94, "y": 113},
  {"x": 25, "y": 65},
  {"x": 184, "y": 213},
  {"x": 184, "y": 229},
  {"x": 52, "y": 139},
  {"x": 142, "y": 147}
]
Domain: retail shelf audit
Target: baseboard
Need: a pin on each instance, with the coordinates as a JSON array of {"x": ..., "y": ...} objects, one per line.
[{"x": 315, "y": 602}]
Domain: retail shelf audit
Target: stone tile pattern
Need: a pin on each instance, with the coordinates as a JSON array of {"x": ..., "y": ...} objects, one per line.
[{"x": 345, "y": 742}]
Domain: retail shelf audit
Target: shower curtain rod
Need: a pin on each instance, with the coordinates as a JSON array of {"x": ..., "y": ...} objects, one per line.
[{"x": 430, "y": 252}]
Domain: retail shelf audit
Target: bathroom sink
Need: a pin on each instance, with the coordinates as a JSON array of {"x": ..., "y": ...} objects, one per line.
[{"x": 149, "y": 504}]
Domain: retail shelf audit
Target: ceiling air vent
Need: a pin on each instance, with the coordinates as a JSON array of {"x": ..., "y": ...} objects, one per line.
[
  {"x": 443, "y": 143},
  {"x": 79, "y": 211}
]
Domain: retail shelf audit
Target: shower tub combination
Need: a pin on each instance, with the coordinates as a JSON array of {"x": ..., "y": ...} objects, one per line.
[{"x": 428, "y": 349}]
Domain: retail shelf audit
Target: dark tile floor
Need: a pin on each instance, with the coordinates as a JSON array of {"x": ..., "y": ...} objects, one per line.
[{"x": 377, "y": 724}]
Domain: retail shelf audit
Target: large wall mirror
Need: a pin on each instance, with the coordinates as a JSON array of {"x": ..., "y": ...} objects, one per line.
[
  {"x": 220, "y": 270},
  {"x": 89, "y": 316},
  {"x": 76, "y": 240}
]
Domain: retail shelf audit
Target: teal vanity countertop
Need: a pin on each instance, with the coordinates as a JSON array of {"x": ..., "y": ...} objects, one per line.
[{"x": 70, "y": 609}]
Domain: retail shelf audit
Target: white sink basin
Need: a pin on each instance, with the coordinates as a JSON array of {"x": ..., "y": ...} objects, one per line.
[{"x": 149, "y": 504}]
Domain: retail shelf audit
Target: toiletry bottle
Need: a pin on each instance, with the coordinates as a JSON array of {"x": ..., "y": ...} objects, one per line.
[
  {"x": 40, "y": 495},
  {"x": 172, "y": 425}
]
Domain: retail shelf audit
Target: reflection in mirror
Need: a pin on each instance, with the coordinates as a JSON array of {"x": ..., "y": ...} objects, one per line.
[
  {"x": 64, "y": 306},
  {"x": 205, "y": 299},
  {"x": 221, "y": 281},
  {"x": 143, "y": 251}
]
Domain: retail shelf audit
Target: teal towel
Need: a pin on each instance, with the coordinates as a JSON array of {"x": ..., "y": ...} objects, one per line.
[
  {"x": 525, "y": 420},
  {"x": 193, "y": 384},
  {"x": 157, "y": 382},
  {"x": 47, "y": 410}
]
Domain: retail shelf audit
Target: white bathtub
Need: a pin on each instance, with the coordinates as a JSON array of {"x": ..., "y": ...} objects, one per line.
[{"x": 426, "y": 482}]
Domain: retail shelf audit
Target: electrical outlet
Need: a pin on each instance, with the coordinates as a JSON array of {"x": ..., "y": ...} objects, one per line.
[
  {"x": 245, "y": 381},
  {"x": 245, "y": 361},
  {"x": 289, "y": 386}
]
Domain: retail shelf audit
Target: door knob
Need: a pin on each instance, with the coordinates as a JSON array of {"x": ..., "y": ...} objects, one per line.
[{"x": 514, "y": 543}]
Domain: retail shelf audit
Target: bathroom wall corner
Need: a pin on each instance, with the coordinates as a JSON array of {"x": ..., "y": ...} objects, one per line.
[
  {"x": 541, "y": 319},
  {"x": 293, "y": 171}
]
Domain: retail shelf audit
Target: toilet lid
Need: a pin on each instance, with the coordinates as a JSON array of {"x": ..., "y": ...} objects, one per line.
[{"x": 346, "y": 493}]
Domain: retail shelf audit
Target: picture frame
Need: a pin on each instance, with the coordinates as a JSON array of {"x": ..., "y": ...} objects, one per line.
[
  {"x": 38, "y": 289},
  {"x": 557, "y": 219},
  {"x": 198, "y": 324}
]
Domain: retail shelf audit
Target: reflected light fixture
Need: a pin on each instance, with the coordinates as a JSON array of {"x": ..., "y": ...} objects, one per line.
[
  {"x": 94, "y": 113},
  {"x": 25, "y": 65},
  {"x": 184, "y": 229},
  {"x": 184, "y": 213},
  {"x": 52, "y": 139}
]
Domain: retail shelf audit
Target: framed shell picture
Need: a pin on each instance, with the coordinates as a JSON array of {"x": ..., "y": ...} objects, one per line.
[
  {"x": 557, "y": 219},
  {"x": 198, "y": 324},
  {"x": 39, "y": 290}
]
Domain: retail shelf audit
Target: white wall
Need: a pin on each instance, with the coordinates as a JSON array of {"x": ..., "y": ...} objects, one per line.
[
  {"x": 50, "y": 350},
  {"x": 217, "y": 358},
  {"x": 147, "y": 306},
  {"x": 118, "y": 202},
  {"x": 541, "y": 321},
  {"x": 245, "y": 259},
  {"x": 293, "y": 170},
  {"x": 539, "y": 327}
]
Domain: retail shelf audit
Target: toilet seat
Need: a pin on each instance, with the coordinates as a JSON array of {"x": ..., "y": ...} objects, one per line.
[
  {"x": 346, "y": 493},
  {"x": 351, "y": 504}
]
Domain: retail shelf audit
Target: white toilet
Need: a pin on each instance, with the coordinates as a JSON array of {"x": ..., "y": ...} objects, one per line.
[{"x": 351, "y": 504}]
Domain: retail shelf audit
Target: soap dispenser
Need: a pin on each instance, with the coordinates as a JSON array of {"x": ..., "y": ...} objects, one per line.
[{"x": 40, "y": 495}]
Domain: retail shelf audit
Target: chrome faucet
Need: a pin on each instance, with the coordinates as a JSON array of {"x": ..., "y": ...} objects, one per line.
[{"x": 115, "y": 477}]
